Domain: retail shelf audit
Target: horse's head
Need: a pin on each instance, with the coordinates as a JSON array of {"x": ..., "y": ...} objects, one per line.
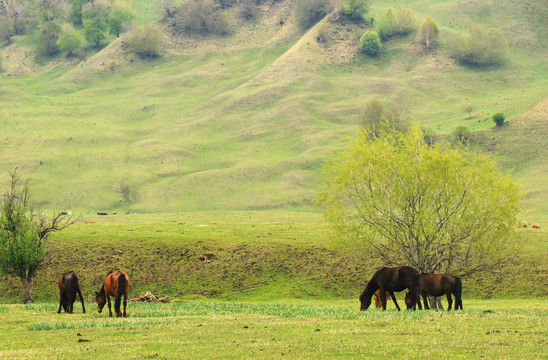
[
  {"x": 101, "y": 300},
  {"x": 365, "y": 302}
]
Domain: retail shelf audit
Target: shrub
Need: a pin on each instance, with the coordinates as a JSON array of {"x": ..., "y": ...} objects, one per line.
[
  {"x": 499, "y": 118},
  {"x": 309, "y": 12},
  {"x": 69, "y": 40},
  {"x": 462, "y": 134},
  {"x": 370, "y": 43},
  {"x": 428, "y": 33},
  {"x": 355, "y": 9},
  {"x": 202, "y": 17},
  {"x": 145, "y": 41},
  {"x": 480, "y": 48}
]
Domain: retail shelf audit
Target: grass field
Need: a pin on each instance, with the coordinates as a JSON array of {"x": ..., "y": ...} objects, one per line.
[{"x": 486, "y": 329}]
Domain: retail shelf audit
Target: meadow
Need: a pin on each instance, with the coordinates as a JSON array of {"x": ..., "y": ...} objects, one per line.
[{"x": 486, "y": 329}]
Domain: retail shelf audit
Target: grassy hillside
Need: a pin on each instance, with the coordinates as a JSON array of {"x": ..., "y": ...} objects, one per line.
[
  {"x": 244, "y": 122},
  {"x": 251, "y": 255}
]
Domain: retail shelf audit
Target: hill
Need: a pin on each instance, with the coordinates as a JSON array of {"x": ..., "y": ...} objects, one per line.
[{"x": 245, "y": 121}]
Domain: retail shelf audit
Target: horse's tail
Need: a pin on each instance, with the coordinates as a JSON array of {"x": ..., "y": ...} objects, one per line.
[
  {"x": 458, "y": 293},
  {"x": 120, "y": 291},
  {"x": 72, "y": 289}
]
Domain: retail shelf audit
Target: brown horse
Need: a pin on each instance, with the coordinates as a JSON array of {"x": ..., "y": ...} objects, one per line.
[
  {"x": 116, "y": 284},
  {"x": 437, "y": 285},
  {"x": 69, "y": 286},
  {"x": 390, "y": 280},
  {"x": 377, "y": 296}
]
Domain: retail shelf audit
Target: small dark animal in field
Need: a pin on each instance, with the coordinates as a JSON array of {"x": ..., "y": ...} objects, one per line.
[
  {"x": 377, "y": 295},
  {"x": 69, "y": 286},
  {"x": 536, "y": 226},
  {"x": 102, "y": 213},
  {"x": 390, "y": 280},
  {"x": 117, "y": 285},
  {"x": 438, "y": 285},
  {"x": 525, "y": 224}
]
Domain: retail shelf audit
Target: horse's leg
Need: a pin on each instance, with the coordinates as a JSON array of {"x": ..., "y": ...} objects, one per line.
[
  {"x": 394, "y": 299},
  {"x": 382, "y": 295},
  {"x": 125, "y": 304},
  {"x": 439, "y": 304},
  {"x": 81, "y": 300},
  {"x": 425, "y": 300},
  {"x": 61, "y": 303},
  {"x": 109, "y": 307},
  {"x": 449, "y": 301}
]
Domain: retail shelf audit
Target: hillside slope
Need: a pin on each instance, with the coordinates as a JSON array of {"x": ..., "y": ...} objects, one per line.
[{"x": 245, "y": 122}]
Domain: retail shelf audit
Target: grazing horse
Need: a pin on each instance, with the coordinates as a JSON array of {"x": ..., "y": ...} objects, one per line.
[
  {"x": 116, "y": 284},
  {"x": 390, "y": 280},
  {"x": 69, "y": 286},
  {"x": 377, "y": 296},
  {"x": 437, "y": 285}
]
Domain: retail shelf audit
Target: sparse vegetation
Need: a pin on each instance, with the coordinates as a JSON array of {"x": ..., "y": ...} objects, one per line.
[
  {"x": 145, "y": 41},
  {"x": 354, "y": 9},
  {"x": 202, "y": 17},
  {"x": 462, "y": 134},
  {"x": 401, "y": 23},
  {"x": 480, "y": 48}
]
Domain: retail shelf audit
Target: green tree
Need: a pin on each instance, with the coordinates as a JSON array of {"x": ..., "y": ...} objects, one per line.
[
  {"x": 354, "y": 9},
  {"x": 202, "y": 17},
  {"x": 499, "y": 118},
  {"x": 121, "y": 15},
  {"x": 478, "y": 47},
  {"x": 377, "y": 118},
  {"x": 69, "y": 40},
  {"x": 428, "y": 33},
  {"x": 495, "y": 47},
  {"x": 386, "y": 24},
  {"x": 166, "y": 7},
  {"x": 405, "y": 20},
  {"x": 48, "y": 34},
  {"x": 94, "y": 21},
  {"x": 23, "y": 235},
  {"x": 435, "y": 208},
  {"x": 468, "y": 109},
  {"x": 370, "y": 43},
  {"x": 145, "y": 41}
]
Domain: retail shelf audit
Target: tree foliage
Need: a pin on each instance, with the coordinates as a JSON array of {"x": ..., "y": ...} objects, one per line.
[
  {"x": 435, "y": 208},
  {"x": 354, "y": 9},
  {"x": 478, "y": 47},
  {"x": 7, "y": 29},
  {"x": 23, "y": 234},
  {"x": 69, "y": 40},
  {"x": 377, "y": 117},
  {"x": 428, "y": 33},
  {"x": 499, "y": 118},
  {"x": 145, "y": 40},
  {"x": 370, "y": 42},
  {"x": 94, "y": 21},
  {"x": 402, "y": 22},
  {"x": 121, "y": 15},
  {"x": 462, "y": 134},
  {"x": 201, "y": 17}
]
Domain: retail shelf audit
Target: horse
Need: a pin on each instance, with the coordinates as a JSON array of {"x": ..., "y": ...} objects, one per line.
[
  {"x": 116, "y": 284},
  {"x": 377, "y": 296},
  {"x": 390, "y": 280},
  {"x": 69, "y": 286},
  {"x": 437, "y": 285}
]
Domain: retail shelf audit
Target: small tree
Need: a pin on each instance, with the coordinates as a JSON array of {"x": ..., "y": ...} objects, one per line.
[
  {"x": 94, "y": 21},
  {"x": 69, "y": 40},
  {"x": 48, "y": 34},
  {"x": 121, "y": 15},
  {"x": 167, "y": 7},
  {"x": 386, "y": 24},
  {"x": 495, "y": 46},
  {"x": 436, "y": 208},
  {"x": 468, "y": 109},
  {"x": 354, "y": 9},
  {"x": 309, "y": 12},
  {"x": 462, "y": 134},
  {"x": 145, "y": 40},
  {"x": 23, "y": 235},
  {"x": 428, "y": 33},
  {"x": 370, "y": 43},
  {"x": 7, "y": 28},
  {"x": 499, "y": 118},
  {"x": 405, "y": 20}
]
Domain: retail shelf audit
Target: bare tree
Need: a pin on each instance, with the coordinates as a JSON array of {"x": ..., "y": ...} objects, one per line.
[{"x": 24, "y": 233}]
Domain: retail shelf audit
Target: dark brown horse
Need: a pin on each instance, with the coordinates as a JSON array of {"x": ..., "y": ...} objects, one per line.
[
  {"x": 438, "y": 285},
  {"x": 377, "y": 296},
  {"x": 116, "y": 284},
  {"x": 390, "y": 280},
  {"x": 69, "y": 286}
]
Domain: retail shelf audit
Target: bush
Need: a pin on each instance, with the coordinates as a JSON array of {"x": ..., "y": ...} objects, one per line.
[
  {"x": 355, "y": 9},
  {"x": 370, "y": 43},
  {"x": 145, "y": 41},
  {"x": 69, "y": 40},
  {"x": 309, "y": 12},
  {"x": 480, "y": 48},
  {"x": 499, "y": 118},
  {"x": 462, "y": 134},
  {"x": 201, "y": 17}
]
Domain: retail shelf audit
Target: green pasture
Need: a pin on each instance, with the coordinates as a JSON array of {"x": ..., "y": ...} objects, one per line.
[{"x": 486, "y": 329}]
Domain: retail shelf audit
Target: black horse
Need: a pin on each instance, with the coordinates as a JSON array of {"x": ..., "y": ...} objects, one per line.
[
  {"x": 438, "y": 285},
  {"x": 69, "y": 286},
  {"x": 391, "y": 279}
]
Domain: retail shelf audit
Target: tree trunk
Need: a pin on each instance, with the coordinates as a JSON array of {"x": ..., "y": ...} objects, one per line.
[{"x": 26, "y": 288}]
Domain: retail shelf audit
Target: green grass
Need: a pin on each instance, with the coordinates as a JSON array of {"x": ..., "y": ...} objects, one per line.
[
  {"x": 245, "y": 122},
  {"x": 284, "y": 329}
]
